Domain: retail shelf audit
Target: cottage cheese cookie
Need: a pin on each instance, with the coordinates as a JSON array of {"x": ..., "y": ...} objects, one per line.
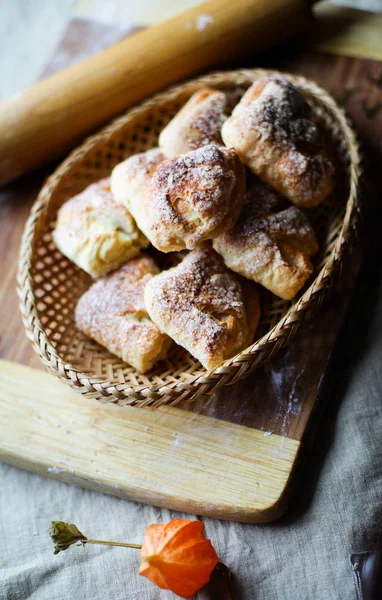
[
  {"x": 180, "y": 202},
  {"x": 97, "y": 233},
  {"x": 113, "y": 313},
  {"x": 197, "y": 124},
  {"x": 269, "y": 244},
  {"x": 204, "y": 307},
  {"x": 273, "y": 134}
]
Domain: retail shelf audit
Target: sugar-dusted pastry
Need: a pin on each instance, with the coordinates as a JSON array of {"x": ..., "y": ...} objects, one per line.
[
  {"x": 269, "y": 244},
  {"x": 96, "y": 232},
  {"x": 180, "y": 202},
  {"x": 197, "y": 124},
  {"x": 204, "y": 307},
  {"x": 272, "y": 132},
  {"x": 113, "y": 313},
  {"x": 130, "y": 183}
]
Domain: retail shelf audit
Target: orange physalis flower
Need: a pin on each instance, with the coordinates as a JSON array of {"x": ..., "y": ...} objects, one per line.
[{"x": 177, "y": 556}]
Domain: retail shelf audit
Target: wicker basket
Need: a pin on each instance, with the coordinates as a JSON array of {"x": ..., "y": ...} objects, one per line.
[{"x": 50, "y": 285}]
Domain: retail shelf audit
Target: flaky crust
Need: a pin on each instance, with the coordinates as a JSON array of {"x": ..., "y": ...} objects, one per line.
[
  {"x": 113, "y": 313},
  {"x": 180, "y": 202},
  {"x": 97, "y": 233},
  {"x": 204, "y": 307},
  {"x": 197, "y": 124},
  {"x": 270, "y": 244},
  {"x": 130, "y": 181},
  {"x": 272, "y": 132}
]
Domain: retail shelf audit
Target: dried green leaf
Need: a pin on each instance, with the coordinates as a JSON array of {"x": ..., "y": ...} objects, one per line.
[{"x": 64, "y": 535}]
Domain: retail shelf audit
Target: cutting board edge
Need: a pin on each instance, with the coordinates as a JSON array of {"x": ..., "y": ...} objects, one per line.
[
  {"x": 267, "y": 514},
  {"x": 39, "y": 443}
]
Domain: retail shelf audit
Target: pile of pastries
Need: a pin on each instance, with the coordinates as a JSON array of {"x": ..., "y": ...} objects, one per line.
[{"x": 224, "y": 195}]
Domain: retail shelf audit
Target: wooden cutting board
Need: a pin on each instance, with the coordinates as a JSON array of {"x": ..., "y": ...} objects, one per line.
[{"x": 230, "y": 455}]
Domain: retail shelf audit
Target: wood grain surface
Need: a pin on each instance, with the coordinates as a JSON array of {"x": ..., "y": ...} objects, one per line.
[
  {"x": 167, "y": 457},
  {"x": 272, "y": 408}
]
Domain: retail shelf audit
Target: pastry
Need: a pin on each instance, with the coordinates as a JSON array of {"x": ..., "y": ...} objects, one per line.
[
  {"x": 95, "y": 232},
  {"x": 113, "y": 313},
  {"x": 203, "y": 307},
  {"x": 272, "y": 132},
  {"x": 180, "y": 202},
  {"x": 269, "y": 244},
  {"x": 197, "y": 124},
  {"x": 130, "y": 181}
]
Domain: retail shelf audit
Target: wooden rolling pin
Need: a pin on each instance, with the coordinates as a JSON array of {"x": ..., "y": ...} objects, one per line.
[{"x": 48, "y": 119}]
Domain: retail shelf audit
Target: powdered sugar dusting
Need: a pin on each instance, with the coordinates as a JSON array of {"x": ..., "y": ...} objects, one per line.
[
  {"x": 272, "y": 130},
  {"x": 193, "y": 196},
  {"x": 261, "y": 214},
  {"x": 253, "y": 244},
  {"x": 205, "y": 124},
  {"x": 197, "y": 124},
  {"x": 281, "y": 114},
  {"x": 201, "y": 305},
  {"x": 97, "y": 232},
  {"x": 113, "y": 313}
]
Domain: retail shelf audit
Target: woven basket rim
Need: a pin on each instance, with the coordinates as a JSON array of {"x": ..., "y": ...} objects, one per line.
[{"x": 234, "y": 368}]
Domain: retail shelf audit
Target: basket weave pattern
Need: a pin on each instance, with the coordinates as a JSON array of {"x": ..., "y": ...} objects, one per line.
[{"x": 50, "y": 285}]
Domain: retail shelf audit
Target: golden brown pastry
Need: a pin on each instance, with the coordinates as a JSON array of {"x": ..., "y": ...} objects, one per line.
[
  {"x": 272, "y": 132},
  {"x": 113, "y": 313},
  {"x": 204, "y": 307},
  {"x": 95, "y": 232},
  {"x": 180, "y": 202},
  {"x": 197, "y": 124},
  {"x": 269, "y": 244}
]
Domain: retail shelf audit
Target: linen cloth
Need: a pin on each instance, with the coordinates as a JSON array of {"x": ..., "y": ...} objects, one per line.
[{"x": 335, "y": 509}]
